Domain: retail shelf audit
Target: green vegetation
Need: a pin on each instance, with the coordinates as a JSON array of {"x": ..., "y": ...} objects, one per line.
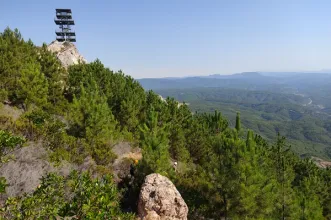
[
  {"x": 8, "y": 141},
  {"x": 78, "y": 196},
  {"x": 266, "y": 113},
  {"x": 85, "y": 110}
]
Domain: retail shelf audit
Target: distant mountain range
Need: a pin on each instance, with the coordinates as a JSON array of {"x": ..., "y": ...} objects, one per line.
[
  {"x": 296, "y": 104},
  {"x": 247, "y": 80},
  {"x": 263, "y": 73}
]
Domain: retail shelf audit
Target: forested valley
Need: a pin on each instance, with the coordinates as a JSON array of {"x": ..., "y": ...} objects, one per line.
[
  {"x": 224, "y": 171},
  {"x": 297, "y": 105}
]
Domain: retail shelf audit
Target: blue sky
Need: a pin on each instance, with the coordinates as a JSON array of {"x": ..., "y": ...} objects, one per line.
[{"x": 155, "y": 38}]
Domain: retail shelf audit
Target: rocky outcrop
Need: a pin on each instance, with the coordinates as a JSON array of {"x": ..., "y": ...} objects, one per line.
[
  {"x": 159, "y": 199},
  {"x": 321, "y": 163},
  {"x": 24, "y": 171},
  {"x": 125, "y": 155},
  {"x": 66, "y": 52},
  {"x": 10, "y": 112}
]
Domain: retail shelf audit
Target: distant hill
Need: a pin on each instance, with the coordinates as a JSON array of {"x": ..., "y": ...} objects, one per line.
[
  {"x": 313, "y": 85},
  {"x": 243, "y": 80},
  {"x": 296, "y": 104}
]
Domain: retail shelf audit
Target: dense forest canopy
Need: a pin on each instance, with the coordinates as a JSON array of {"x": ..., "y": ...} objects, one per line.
[
  {"x": 223, "y": 170},
  {"x": 297, "y": 105},
  {"x": 266, "y": 113}
]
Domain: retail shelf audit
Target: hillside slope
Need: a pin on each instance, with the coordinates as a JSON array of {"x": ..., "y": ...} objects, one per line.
[
  {"x": 266, "y": 113},
  {"x": 295, "y": 104},
  {"x": 83, "y": 114}
]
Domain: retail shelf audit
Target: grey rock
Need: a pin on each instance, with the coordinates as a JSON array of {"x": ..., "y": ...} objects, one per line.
[
  {"x": 159, "y": 199},
  {"x": 125, "y": 155},
  {"x": 66, "y": 52},
  {"x": 23, "y": 173}
]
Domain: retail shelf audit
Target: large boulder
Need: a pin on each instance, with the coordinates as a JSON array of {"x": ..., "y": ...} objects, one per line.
[
  {"x": 66, "y": 52},
  {"x": 159, "y": 199}
]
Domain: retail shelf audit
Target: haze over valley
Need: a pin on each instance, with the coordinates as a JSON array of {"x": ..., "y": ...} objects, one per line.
[{"x": 295, "y": 104}]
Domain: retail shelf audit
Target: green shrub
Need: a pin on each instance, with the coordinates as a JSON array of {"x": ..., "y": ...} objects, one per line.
[
  {"x": 3, "y": 95},
  {"x": 38, "y": 117},
  {"x": 8, "y": 141},
  {"x": 6, "y": 122},
  {"x": 3, "y": 184},
  {"x": 78, "y": 196},
  {"x": 102, "y": 154}
]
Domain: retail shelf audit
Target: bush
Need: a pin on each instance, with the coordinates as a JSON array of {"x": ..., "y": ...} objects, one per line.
[
  {"x": 102, "y": 154},
  {"x": 78, "y": 196},
  {"x": 3, "y": 184},
  {"x": 3, "y": 95},
  {"x": 8, "y": 141}
]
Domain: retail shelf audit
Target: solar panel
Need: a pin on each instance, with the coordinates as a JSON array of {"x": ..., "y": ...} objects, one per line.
[{"x": 64, "y": 20}]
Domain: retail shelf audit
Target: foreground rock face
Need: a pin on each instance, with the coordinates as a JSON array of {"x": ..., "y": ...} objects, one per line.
[
  {"x": 159, "y": 199},
  {"x": 66, "y": 52},
  {"x": 24, "y": 171}
]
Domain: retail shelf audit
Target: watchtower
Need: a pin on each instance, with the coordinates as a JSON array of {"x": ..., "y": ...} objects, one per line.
[{"x": 64, "y": 20}]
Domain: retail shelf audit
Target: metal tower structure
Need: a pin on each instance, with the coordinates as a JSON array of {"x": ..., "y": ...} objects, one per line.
[{"x": 64, "y": 20}]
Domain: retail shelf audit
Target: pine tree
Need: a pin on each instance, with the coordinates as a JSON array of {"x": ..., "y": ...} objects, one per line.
[
  {"x": 176, "y": 117},
  {"x": 308, "y": 201},
  {"x": 238, "y": 123},
  {"x": 91, "y": 115},
  {"x": 227, "y": 149},
  {"x": 250, "y": 140},
  {"x": 32, "y": 86},
  {"x": 91, "y": 119},
  {"x": 154, "y": 142},
  {"x": 282, "y": 163},
  {"x": 55, "y": 75},
  {"x": 131, "y": 105},
  {"x": 125, "y": 96},
  {"x": 197, "y": 140},
  {"x": 177, "y": 144},
  {"x": 216, "y": 122},
  {"x": 255, "y": 198},
  {"x": 15, "y": 54}
]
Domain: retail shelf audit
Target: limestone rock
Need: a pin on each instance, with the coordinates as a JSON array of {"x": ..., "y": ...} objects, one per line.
[
  {"x": 125, "y": 154},
  {"x": 321, "y": 163},
  {"x": 23, "y": 173},
  {"x": 159, "y": 199},
  {"x": 152, "y": 215},
  {"x": 66, "y": 52}
]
